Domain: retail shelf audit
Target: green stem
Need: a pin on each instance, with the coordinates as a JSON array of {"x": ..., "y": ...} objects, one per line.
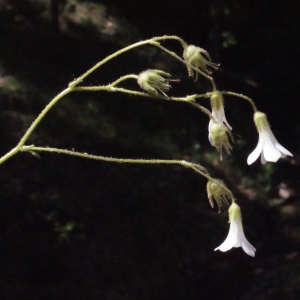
[
  {"x": 152, "y": 41},
  {"x": 171, "y": 37},
  {"x": 33, "y": 125},
  {"x": 243, "y": 97},
  {"x": 199, "y": 169},
  {"x": 111, "y": 87},
  {"x": 42, "y": 115},
  {"x": 123, "y": 78},
  {"x": 186, "y": 99}
]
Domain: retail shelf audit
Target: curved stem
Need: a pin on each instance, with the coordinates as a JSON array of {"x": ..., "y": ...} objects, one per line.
[
  {"x": 105, "y": 60},
  {"x": 33, "y": 125},
  {"x": 110, "y": 88},
  {"x": 199, "y": 169},
  {"x": 123, "y": 78},
  {"x": 243, "y": 97},
  {"x": 42, "y": 115},
  {"x": 171, "y": 37},
  {"x": 203, "y": 109},
  {"x": 152, "y": 41}
]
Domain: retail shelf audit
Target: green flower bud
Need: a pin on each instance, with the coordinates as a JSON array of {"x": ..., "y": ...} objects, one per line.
[
  {"x": 198, "y": 58},
  {"x": 218, "y": 137},
  {"x": 152, "y": 81},
  {"x": 217, "y": 190}
]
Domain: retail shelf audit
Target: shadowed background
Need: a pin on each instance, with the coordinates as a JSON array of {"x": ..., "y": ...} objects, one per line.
[{"x": 72, "y": 228}]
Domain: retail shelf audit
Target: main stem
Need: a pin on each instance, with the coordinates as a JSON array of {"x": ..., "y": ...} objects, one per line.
[
  {"x": 34, "y": 124},
  {"x": 152, "y": 41}
]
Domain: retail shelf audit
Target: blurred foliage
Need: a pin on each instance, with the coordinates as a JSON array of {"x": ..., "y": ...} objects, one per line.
[{"x": 77, "y": 229}]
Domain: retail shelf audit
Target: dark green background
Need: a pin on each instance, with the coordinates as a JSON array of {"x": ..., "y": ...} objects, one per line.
[{"x": 72, "y": 228}]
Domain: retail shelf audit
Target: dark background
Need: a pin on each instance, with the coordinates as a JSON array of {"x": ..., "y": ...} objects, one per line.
[{"x": 73, "y": 228}]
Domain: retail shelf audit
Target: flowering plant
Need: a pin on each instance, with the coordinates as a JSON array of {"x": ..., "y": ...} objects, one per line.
[{"x": 154, "y": 84}]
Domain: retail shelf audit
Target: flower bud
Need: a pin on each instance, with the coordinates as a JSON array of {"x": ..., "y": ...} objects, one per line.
[
  {"x": 198, "y": 58},
  {"x": 217, "y": 190},
  {"x": 218, "y": 135},
  {"x": 152, "y": 81}
]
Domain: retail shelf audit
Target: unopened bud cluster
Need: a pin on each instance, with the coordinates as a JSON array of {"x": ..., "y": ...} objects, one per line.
[
  {"x": 154, "y": 81},
  {"x": 217, "y": 191},
  {"x": 198, "y": 58}
]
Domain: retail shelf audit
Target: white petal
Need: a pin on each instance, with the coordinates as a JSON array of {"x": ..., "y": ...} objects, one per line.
[
  {"x": 262, "y": 159},
  {"x": 236, "y": 238},
  {"x": 219, "y": 115},
  {"x": 283, "y": 150},
  {"x": 209, "y": 135},
  {"x": 256, "y": 152},
  {"x": 226, "y": 123},
  {"x": 232, "y": 239},
  {"x": 248, "y": 248},
  {"x": 270, "y": 152}
]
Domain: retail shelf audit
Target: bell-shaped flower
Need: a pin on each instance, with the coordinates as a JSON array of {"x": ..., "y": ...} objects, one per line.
[
  {"x": 268, "y": 147},
  {"x": 217, "y": 108},
  {"x": 198, "y": 58},
  {"x": 236, "y": 237},
  {"x": 218, "y": 191},
  {"x": 153, "y": 81},
  {"x": 218, "y": 137}
]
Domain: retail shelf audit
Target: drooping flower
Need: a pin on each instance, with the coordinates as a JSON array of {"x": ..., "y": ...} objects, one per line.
[
  {"x": 217, "y": 111},
  {"x": 153, "y": 81},
  {"x": 268, "y": 147},
  {"x": 218, "y": 137},
  {"x": 236, "y": 237},
  {"x": 198, "y": 58},
  {"x": 217, "y": 108},
  {"x": 217, "y": 190}
]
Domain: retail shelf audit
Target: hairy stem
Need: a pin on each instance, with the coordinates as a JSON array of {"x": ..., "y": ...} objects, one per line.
[
  {"x": 34, "y": 125},
  {"x": 197, "y": 168},
  {"x": 187, "y": 99},
  {"x": 243, "y": 97},
  {"x": 152, "y": 41}
]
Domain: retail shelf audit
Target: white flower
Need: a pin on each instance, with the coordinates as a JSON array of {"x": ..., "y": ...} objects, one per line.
[
  {"x": 236, "y": 237},
  {"x": 217, "y": 106},
  {"x": 267, "y": 146}
]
